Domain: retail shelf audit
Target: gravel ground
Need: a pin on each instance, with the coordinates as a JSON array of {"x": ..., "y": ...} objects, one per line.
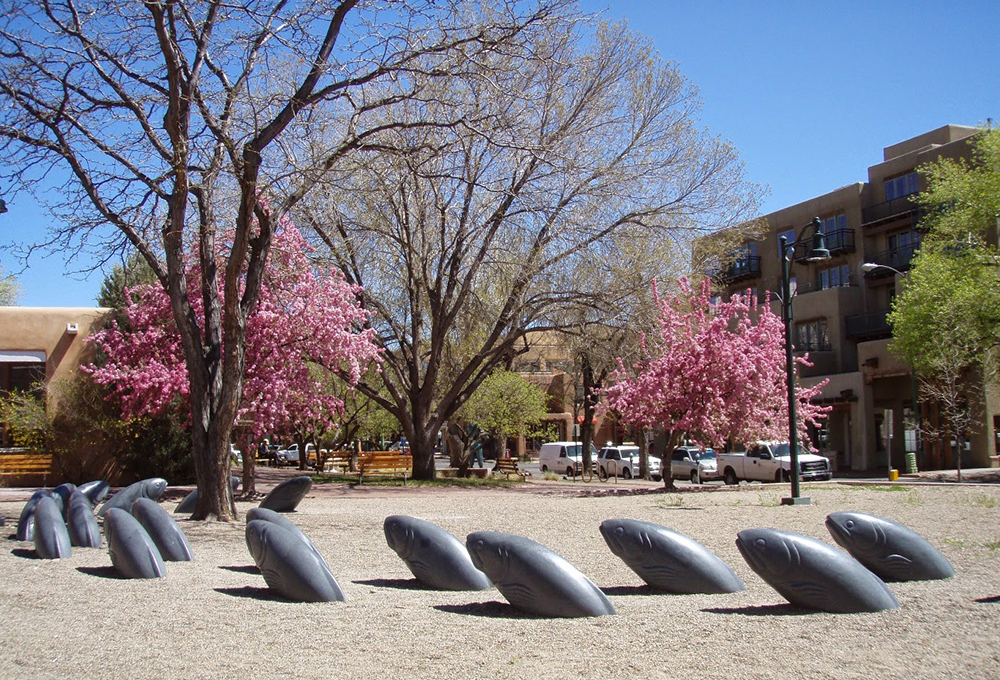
[{"x": 214, "y": 617}]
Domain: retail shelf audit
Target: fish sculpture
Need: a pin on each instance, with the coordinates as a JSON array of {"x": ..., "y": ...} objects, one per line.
[
  {"x": 286, "y": 496},
  {"x": 890, "y": 550},
  {"x": 163, "y": 530},
  {"x": 95, "y": 491},
  {"x": 535, "y": 579},
  {"x": 133, "y": 553},
  {"x": 813, "y": 575},
  {"x": 435, "y": 557},
  {"x": 266, "y": 515},
  {"x": 81, "y": 522},
  {"x": 64, "y": 491},
  {"x": 668, "y": 560},
  {"x": 51, "y": 538},
  {"x": 187, "y": 505},
  {"x": 151, "y": 488},
  {"x": 289, "y": 566},
  {"x": 26, "y": 522}
]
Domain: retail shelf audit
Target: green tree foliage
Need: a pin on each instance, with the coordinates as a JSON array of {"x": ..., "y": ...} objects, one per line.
[
  {"x": 505, "y": 405},
  {"x": 24, "y": 415},
  {"x": 133, "y": 271}
]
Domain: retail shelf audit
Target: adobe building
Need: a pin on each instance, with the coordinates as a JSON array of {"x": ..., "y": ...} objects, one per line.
[
  {"x": 839, "y": 310},
  {"x": 42, "y": 344}
]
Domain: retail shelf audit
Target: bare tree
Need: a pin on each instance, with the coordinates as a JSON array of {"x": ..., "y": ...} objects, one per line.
[
  {"x": 166, "y": 124},
  {"x": 470, "y": 237}
]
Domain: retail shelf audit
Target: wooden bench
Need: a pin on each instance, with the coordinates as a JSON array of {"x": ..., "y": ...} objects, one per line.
[
  {"x": 384, "y": 463},
  {"x": 338, "y": 460},
  {"x": 28, "y": 469},
  {"x": 508, "y": 467}
]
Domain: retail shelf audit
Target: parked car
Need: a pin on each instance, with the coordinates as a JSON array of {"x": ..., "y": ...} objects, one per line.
[
  {"x": 623, "y": 461},
  {"x": 235, "y": 457},
  {"x": 690, "y": 462},
  {"x": 563, "y": 457},
  {"x": 772, "y": 462},
  {"x": 290, "y": 454}
]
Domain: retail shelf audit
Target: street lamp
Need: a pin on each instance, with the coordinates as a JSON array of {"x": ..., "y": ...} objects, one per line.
[
  {"x": 872, "y": 266},
  {"x": 817, "y": 253}
]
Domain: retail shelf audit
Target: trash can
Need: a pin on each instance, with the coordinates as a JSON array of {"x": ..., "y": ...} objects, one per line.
[
  {"x": 893, "y": 474},
  {"x": 911, "y": 463}
]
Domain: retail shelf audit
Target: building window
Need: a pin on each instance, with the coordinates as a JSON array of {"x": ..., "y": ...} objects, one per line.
[
  {"x": 789, "y": 235},
  {"x": 833, "y": 224},
  {"x": 901, "y": 186},
  {"x": 906, "y": 240},
  {"x": 812, "y": 337},
  {"x": 835, "y": 277}
]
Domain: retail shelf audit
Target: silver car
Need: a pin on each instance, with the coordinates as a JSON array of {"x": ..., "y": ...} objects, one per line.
[
  {"x": 623, "y": 461},
  {"x": 697, "y": 465}
]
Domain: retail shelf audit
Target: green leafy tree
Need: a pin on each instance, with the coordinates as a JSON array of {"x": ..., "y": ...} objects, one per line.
[
  {"x": 946, "y": 320},
  {"x": 505, "y": 405},
  {"x": 10, "y": 289}
]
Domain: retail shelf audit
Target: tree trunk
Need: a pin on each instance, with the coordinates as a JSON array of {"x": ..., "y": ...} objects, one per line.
[
  {"x": 673, "y": 440},
  {"x": 422, "y": 450},
  {"x": 249, "y": 473},
  {"x": 589, "y": 407},
  {"x": 210, "y": 450},
  {"x": 640, "y": 441}
]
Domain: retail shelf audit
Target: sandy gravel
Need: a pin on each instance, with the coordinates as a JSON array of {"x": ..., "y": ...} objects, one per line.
[{"x": 214, "y": 617}]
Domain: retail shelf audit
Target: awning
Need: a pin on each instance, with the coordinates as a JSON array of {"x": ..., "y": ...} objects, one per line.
[{"x": 21, "y": 356}]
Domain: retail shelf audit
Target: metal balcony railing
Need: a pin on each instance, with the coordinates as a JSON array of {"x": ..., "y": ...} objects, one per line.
[
  {"x": 871, "y": 326},
  {"x": 746, "y": 267},
  {"x": 897, "y": 258},
  {"x": 886, "y": 210},
  {"x": 837, "y": 242}
]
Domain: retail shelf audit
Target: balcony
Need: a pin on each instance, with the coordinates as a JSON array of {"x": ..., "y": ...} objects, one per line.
[
  {"x": 837, "y": 242},
  {"x": 746, "y": 267},
  {"x": 871, "y": 326},
  {"x": 897, "y": 258},
  {"x": 889, "y": 210}
]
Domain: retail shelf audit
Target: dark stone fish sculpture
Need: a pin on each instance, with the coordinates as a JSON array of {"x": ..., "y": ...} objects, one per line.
[
  {"x": 890, "y": 550},
  {"x": 81, "y": 522},
  {"x": 668, "y": 560},
  {"x": 163, "y": 530},
  {"x": 51, "y": 538},
  {"x": 535, "y": 579},
  {"x": 187, "y": 505},
  {"x": 64, "y": 491},
  {"x": 813, "y": 575},
  {"x": 133, "y": 553},
  {"x": 437, "y": 558},
  {"x": 286, "y": 496},
  {"x": 266, "y": 515},
  {"x": 289, "y": 566},
  {"x": 95, "y": 491},
  {"x": 151, "y": 488},
  {"x": 26, "y": 522}
]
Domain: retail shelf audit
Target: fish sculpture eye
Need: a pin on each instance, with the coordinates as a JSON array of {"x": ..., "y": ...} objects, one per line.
[
  {"x": 849, "y": 524},
  {"x": 760, "y": 543}
]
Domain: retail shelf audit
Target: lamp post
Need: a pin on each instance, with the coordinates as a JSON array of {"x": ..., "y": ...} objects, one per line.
[{"x": 817, "y": 253}]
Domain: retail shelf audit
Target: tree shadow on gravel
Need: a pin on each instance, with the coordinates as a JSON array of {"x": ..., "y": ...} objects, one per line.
[
  {"x": 398, "y": 583},
  {"x": 995, "y": 599},
  {"x": 254, "y": 593},
  {"x": 493, "y": 610},
  {"x": 102, "y": 572},
  {"x": 243, "y": 569},
  {"x": 762, "y": 610},
  {"x": 632, "y": 590}
]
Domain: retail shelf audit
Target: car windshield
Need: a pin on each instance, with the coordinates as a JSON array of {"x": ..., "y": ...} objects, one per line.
[
  {"x": 782, "y": 449},
  {"x": 707, "y": 454},
  {"x": 575, "y": 450}
]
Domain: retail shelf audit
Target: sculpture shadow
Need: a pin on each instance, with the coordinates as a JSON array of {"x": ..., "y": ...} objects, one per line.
[
  {"x": 243, "y": 569},
  {"x": 995, "y": 599},
  {"x": 26, "y": 553},
  {"x": 762, "y": 610},
  {"x": 493, "y": 610},
  {"x": 633, "y": 590},
  {"x": 398, "y": 583},
  {"x": 254, "y": 593},
  {"x": 102, "y": 572}
]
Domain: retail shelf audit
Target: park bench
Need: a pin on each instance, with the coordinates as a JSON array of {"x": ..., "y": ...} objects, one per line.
[
  {"x": 508, "y": 467},
  {"x": 338, "y": 460},
  {"x": 28, "y": 469},
  {"x": 384, "y": 463}
]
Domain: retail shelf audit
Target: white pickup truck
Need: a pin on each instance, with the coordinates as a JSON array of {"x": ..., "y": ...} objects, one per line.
[{"x": 771, "y": 462}]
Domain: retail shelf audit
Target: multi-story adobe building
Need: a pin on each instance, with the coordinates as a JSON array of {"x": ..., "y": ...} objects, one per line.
[{"x": 839, "y": 310}]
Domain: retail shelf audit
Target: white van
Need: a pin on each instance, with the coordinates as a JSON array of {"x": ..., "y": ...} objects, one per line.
[{"x": 563, "y": 457}]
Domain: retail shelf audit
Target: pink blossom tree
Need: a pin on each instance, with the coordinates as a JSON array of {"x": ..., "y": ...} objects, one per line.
[
  {"x": 715, "y": 372},
  {"x": 303, "y": 320}
]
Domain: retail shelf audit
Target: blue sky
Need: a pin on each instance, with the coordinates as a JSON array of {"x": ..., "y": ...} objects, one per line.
[{"x": 808, "y": 92}]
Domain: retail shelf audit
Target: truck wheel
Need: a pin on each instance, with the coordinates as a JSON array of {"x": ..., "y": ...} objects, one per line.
[
  {"x": 545, "y": 468},
  {"x": 778, "y": 476},
  {"x": 569, "y": 472},
  {"x": 786, "y": 476},
  {"x": 602, "y": 473},
  {"x": 730, "y": 477},
  {"x": 695, "y": 479},
  {"x": 627, "y": 473}
]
